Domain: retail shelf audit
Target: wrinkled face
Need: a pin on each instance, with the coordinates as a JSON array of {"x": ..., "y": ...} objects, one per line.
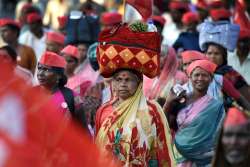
[
  {"x": 82, "y": 49},
  {"x": 200, "y": 79},
  {"x": 126, "y": 84},
  {"x": 8, "y": 34},
  {"x": 71, "y": 65},
  {"x": 236, "y": 143},
  {"x": 214, "y": 54},
  {"x": 53, "y": 47},
  {"x": 46, "y": 77}
]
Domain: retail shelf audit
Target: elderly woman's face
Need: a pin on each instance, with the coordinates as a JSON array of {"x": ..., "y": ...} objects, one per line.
[
  {"x": 236, "y": 144},
  {"x": 126, "y": 84},
  {"x": 214, "y": 54},
  {"x": 200, "y": 79}
]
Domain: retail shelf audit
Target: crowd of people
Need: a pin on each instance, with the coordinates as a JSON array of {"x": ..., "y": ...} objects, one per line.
[{"x": 125, "y": 84}]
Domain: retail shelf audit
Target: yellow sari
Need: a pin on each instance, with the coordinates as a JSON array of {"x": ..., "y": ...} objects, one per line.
[{"x": 137, "y": 133}]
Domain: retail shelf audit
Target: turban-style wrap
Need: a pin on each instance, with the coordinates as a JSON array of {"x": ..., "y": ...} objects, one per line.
[
  {"x": 218, "y": 14},
  {"x": 33, "y": 17},
  {"x": 53, "y": 60},
  {"x": 204, "y": 64},
  {"x": 122, "y": 48},
  {"x": 235, "y": 117},
  {"x": 191, "y": 55},
  {"x": 159, "y": 19},
  {"x": 71, "y": 51},
  {"x": 111, "y": 18},
  {"x": 190, "y": 17},
  {"x": 56, "y": 37}
]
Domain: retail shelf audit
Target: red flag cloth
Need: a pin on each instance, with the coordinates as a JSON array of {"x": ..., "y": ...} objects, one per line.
[
  {"x": 235, "y": 117},
  {"x": 144, "y": 7},
  {"x": 204, "y": 64},
  {"x": 33, "y": 133},
  {"x": 241, "y": 18}
]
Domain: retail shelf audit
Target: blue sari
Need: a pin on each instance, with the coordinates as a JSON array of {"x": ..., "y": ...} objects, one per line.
[{"x": 196, "y": 140}]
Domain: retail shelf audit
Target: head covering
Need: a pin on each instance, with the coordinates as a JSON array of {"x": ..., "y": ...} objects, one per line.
[
  {"x": 159, "y": 19},
  {"x": 216, "y": 4},
  {"x": 202, "y": 4},
  {"x": 139, "y": 51},
  {"x": 111, "y": 18},
  {"x": 204, "y": 64},
  {"x": 53, "y": 60},
  {"x": 190, "y": 17},
  {"x": 244, "y": 33},
  {"x": 62, "y": 20},
  {"x": 177, "y": 5},
  {"x": 71, "y": 51},
  {"x": 56, "y": 37},
  {"x": 8, "y": 21},
  {"x": 33, "y": 17},
  {"x": 235, "y": 117},
  {"x": 218, "y": 14},
  {"x": 191, "y": 55}
]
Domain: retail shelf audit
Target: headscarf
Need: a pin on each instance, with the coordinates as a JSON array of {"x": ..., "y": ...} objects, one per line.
[{"x": 204, "y": 64}]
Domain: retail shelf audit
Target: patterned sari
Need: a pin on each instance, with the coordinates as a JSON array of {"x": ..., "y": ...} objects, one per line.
[
  {"x": 136, "y": 132},
  {"x": 198, "y": 125}
]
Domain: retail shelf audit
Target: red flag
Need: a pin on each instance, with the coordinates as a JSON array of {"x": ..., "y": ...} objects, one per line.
[
  {"x": 240, "y": 16},
  {"x": 33, "y": 133},
  {"x": 144, "y": 7}
]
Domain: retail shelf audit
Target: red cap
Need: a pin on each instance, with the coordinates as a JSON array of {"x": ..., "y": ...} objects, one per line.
[
  {"x": 202, "y": 4},
  {"x": 235, "y": 117},
  {"x": 111, "y": 18},
  {"x": 62, "y": 20},
  {"x": 244, "y": 33},
  {"x": 159, "y": 19},
  {"x": 191, "y": 55},
  {"x": 179, "y": 5},
  {"x": 71, "y": 51},
  {"x": 204, "y": 64},
  {"x": 33, "y": 17},
  {"x": 190, "y": 17},
  {"x": 53, "y": 60},
  {"x": 56, "y": 37},
  {"x": 218, "y": 14},
  {"x": 216, "y": 4},
  {"x": 8, "y": 21}
]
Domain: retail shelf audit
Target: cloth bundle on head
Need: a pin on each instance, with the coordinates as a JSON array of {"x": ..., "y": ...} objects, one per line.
[
  {"x": 33, "y": 17},
  {"x": 53, "y": 60},
  {"x": 8, "y": 21},
  {"x": 235, "y": 117},
  {"x": 111, "y": 18},
  {"x": 204, "y": 64},
  {"x": 177, "y": 5},
  {"x": 159, "y": 19},
  {"x": 220, "y": 14},
  {"x": 190, "y": 17},
  {"x": 191, "y": 55},
  {"x": 221, "y": 32},
  {"x": 122, "y": 48},
  {"x": 56, "y": 37},
  {"x": 71, "y": 51}
]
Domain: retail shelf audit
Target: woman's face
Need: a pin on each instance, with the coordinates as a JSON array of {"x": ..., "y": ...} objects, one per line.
[
  {"x": 126, "y": 84},
  {"x": 236, "y": 144},
  {"x": 214, "y": 54},
  {"x": 200, "y": 79},
  {"x": 71, "y": 65},
  {"x": 46, "y": 77}
]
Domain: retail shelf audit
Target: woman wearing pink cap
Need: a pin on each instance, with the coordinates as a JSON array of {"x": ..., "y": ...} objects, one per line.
[{"x": 197, "y": 119}]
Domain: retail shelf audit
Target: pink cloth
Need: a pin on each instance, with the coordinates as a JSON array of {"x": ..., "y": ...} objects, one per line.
[{"x": 189, "y": 113}]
